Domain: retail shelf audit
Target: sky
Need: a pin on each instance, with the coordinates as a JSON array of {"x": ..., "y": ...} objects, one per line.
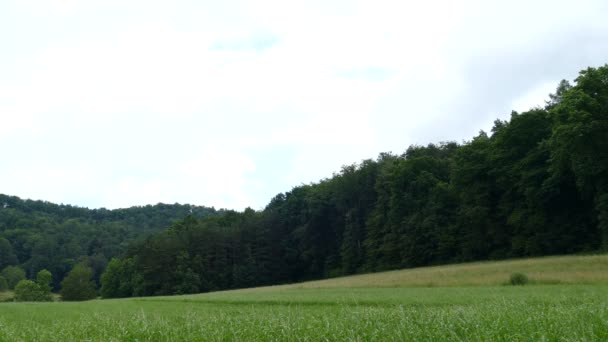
[{"x": 228, "y": 103}]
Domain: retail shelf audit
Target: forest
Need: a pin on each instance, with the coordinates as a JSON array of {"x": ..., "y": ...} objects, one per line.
[
  {"x": 37, "y": 235},
  {"x": 537, "y": 184}
]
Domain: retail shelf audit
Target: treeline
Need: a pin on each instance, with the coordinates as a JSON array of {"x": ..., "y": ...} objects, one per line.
[
  {"x": 37, "y": 235},
  {"x": 537, "y": 185}
]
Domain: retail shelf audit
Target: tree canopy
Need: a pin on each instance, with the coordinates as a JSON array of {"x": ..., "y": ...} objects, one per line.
[
  {"x": 36, "y": 235},
  {"x": 78, "y": 284}
]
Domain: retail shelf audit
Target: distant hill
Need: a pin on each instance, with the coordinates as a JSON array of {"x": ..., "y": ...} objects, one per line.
[{"x": 40, "y": 234}]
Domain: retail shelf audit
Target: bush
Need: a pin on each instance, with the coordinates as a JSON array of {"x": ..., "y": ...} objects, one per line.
[
  {"x": 29, "y": 291},
  {"x": 43, "y": 278},
  {"x": 518, "y": 279}
]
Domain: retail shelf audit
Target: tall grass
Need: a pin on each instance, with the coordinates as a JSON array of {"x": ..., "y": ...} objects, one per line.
[
  {"x": 403, "y": 314},
  {"x": 388, "y": 306}
]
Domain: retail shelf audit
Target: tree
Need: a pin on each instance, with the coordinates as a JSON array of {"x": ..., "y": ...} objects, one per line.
[
  {"x": 13, "y": 274},
  {"x": 119, "y": 280},
  {"x": 43, "y": 278},
  {"x": 578, "y": 143},
  {"x": 7, "y": 255},
  {"x": 78, "y": 284},
  {"x": 187, "y": 281}
]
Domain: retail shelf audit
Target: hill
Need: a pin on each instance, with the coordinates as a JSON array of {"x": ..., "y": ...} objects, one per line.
[{"x": 37, "y": 234}]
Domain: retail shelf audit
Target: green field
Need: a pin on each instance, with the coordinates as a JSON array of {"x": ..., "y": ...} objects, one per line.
[{"x": 378, "y": 308}]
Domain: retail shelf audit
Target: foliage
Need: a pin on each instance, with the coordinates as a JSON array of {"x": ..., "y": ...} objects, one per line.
[
  {"x": 78, "y": 284},
  {"x": 13, "y": 275},
  {"x": 43, "y": 279},
  {"x": 518, "y": 279},
  {"x": 3, "y": 284},
  {"x": 29, "y": 291},
  {"x": 39, "y": 235},
  {"x": 39, "y": 291},
  {"x": 119, "y": 279},
  {"x": 7, "y": 255}
]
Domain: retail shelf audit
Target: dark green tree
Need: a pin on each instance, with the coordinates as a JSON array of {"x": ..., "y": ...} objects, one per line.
[
  {"x": 43, "y": 279},
  {"x": 78, "y": 284},
  {"x": 186, "y": 280},
  {"x": 579, "y": 144},
  {"x": 120, "y": 279},
  {"x": 13, "y": 275},
  {"x": 7, "y": 255}
]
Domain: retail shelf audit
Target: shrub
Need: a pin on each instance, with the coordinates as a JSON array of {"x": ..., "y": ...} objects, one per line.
[
  {"x": 43, "y": 278},
  {"x": 518, "y": 279},
  {"x": 29, "y": 291}
]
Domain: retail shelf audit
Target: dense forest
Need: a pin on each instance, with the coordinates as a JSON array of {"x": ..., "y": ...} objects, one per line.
[
  {"x": 537, "y": 184},
  {"x": 37, "y": 235}
]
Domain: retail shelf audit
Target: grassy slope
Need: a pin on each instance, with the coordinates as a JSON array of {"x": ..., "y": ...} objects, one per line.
[
  {"x": 585, "y": 269},
  {"x": 370, "y": 307},
  {"x": 591, "y": 269}
]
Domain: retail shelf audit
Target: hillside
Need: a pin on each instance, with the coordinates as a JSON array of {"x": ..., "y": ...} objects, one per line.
[
  {"x": 37, "y": 235},
  {"x": 587, "y": 269},
  {"x": 536, "y": 185}
]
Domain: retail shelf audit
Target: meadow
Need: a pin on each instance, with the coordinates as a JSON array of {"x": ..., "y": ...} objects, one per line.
[{"x": 375, "y": 307}]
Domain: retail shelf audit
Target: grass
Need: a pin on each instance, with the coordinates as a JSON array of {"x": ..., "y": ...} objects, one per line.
[
  {"x": 319, "y": 311},
  {"x": 592, "y": 269},
  {"x": 5, "y": 295}
]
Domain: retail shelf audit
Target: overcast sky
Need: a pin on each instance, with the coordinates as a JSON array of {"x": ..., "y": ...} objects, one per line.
[{"x": 227, "y": 103}]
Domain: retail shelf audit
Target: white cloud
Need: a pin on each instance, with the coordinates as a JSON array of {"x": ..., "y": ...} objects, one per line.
[{"x": 119, "y": 103}]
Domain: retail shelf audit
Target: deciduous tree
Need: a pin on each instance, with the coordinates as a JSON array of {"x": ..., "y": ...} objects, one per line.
[{"x": 78, "y": 284}]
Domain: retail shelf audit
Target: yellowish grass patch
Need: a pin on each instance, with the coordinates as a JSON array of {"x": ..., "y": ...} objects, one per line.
[
  {"x": 5, "y": 295},
  {"x": 592, "y": 269}
]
